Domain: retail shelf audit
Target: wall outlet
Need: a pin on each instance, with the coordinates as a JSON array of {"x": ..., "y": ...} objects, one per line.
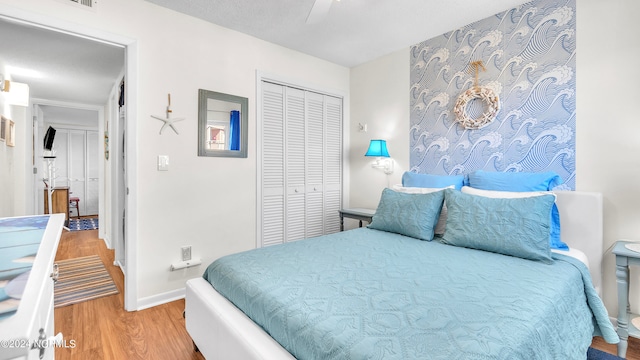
[{"x": 186, "y": 253}]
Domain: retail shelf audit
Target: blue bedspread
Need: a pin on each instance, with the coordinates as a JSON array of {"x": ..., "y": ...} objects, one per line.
[{"x": 368, "y": 294}]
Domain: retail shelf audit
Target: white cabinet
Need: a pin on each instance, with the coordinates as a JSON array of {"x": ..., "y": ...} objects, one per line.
[
  {"x": 27, "y": 250},
  {"x": 301, "y": 164}
]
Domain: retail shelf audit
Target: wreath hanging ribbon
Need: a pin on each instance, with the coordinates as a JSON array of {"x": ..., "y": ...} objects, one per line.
[{"x": 485, "y": 94}]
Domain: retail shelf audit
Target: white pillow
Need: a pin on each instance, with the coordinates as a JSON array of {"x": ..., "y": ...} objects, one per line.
[
  {"x": 442, "y": 220},
  {"x": 504, "y": 194}
]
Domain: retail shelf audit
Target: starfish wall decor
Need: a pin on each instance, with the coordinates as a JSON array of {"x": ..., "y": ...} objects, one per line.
[{"x": 168, "y": 121}]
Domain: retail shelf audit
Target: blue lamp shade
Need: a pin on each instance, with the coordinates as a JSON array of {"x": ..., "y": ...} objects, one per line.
[{"x": 377, "y": 148}]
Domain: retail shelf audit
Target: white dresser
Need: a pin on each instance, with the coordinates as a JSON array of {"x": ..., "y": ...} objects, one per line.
[{"x": 27, "y": 250}]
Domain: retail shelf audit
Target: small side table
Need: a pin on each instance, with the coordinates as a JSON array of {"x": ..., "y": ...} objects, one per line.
[
  {"x": 624, "y": 258},
  {"x": 356, "y": 213}
]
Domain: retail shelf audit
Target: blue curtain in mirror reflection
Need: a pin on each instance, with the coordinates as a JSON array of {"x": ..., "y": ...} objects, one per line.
[{"x": 234, "y": 130}]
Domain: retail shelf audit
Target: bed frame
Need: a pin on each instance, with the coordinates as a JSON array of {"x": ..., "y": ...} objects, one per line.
[{"x": 221, "y": 331}]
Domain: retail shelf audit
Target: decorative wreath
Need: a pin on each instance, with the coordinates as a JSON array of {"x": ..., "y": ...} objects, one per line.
[{"x": 477, "y": 92}]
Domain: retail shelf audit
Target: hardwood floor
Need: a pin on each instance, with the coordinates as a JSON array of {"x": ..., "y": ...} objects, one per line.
[
  {"x": 633, "y": 351},
  {"x": 101, "y": 329}
]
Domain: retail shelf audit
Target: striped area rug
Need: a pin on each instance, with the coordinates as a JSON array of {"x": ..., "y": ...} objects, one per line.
[{"x": 82, "y": 279}]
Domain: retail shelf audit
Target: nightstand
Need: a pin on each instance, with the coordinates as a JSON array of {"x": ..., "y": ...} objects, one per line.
[
  {"x": 624, "y": 258},
  {"x": 356, "y": 213}
]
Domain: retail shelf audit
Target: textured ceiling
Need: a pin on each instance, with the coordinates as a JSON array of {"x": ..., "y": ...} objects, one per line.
[
  {"x": 352, "y": 33},
  {"x": 78, "y": 70}
]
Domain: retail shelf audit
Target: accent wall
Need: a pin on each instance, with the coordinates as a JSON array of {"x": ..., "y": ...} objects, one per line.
[{"x": 529, "y": 54}]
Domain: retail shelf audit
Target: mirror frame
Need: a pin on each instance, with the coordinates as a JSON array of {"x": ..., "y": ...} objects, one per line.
[{"x": 203, "y": 96}]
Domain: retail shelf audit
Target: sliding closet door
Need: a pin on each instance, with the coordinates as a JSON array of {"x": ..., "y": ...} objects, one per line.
[
  {"x": 272, "y": 151},
  {"x": 301, "y": 175}
]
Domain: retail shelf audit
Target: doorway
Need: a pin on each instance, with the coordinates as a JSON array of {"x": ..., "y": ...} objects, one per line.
[
  {"x": 77, "y": 148},
  {"x": 39, "y": 28}
]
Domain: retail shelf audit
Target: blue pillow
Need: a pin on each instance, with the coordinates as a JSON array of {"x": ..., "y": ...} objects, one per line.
[
  {"x": 517, "y": 227},
  {"x": 514, "y": 181},
  {"x": 523, "y": 181},
  {"x": 412, "y": 215},
  {"x": 411, "y": 179}
]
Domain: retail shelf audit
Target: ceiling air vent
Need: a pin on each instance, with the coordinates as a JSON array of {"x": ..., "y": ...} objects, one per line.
[{"x": 85, "y": 4}]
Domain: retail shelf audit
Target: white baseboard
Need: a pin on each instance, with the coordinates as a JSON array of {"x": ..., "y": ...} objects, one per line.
[
  {"x": 107, "y": 242},
  {"x": 160, "y": 299}
]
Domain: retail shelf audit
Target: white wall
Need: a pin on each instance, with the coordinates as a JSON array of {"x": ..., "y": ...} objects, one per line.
[
  {"x": 22, "y": 176},
  {"x": 15, "y": 179},
  {"x": 608, "y": 140},
  {"x": 209, "y": 203},
  {"x": 6, "y": 160},
  {"x": 607, "y": 128},
  {"x": 379, "y": 99}
]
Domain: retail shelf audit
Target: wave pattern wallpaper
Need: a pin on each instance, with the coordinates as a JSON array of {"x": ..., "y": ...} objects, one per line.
[{"x": 529, "y": 54}]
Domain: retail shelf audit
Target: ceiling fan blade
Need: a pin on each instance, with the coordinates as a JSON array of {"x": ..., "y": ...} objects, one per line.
[{"x": 318, "y": 11}]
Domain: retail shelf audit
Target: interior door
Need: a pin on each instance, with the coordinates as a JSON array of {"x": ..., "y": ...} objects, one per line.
[
  {"x": 295, "y": 171},
  {"x": 273, "y": 166},
  {"x": 77, "y": 167},
  {"x": 118, "y": 170},
  {"x": 61, "y": 163},
  {"x": 93, "y": 177},
  {"x": 315, "y": 158}
]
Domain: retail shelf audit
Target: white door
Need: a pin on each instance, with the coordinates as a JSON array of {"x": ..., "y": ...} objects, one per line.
[
  {"x": 301, "y": 164},
  {"x": 61, "y": 163},
  {"x": 119, "y": 188},
  {"x": 332, "y": 164},
  {"x": 295, "y": 170},
  {"x": 314, "y": 162},
  {"x": 273, "y": 157},
  {"x": 77, "y": 167},
  {"x": 93, "y": 177}
]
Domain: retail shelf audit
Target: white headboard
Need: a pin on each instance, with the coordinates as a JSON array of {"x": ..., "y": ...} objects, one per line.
[{"x": 581, "y": 227}]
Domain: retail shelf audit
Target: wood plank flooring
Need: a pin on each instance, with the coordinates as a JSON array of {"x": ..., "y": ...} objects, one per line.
[
  {"x": 103, "y": 330},
  {"x": 633, "y": 351}
]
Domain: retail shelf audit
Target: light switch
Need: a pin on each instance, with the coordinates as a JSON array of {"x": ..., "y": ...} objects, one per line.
[{"x": 163, "y": 162}]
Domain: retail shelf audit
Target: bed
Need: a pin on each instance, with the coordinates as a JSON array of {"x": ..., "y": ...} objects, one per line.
[{"x": 469, "y": 303}]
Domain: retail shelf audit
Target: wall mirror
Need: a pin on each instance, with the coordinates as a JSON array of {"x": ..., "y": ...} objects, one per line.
[{"x": 222, "y": 124}]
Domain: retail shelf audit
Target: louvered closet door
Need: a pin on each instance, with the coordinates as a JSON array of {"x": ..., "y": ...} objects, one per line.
[
  {"x": 301, "y": 164},
  {"x": 295, "y": 168},
  {"x": 314, "y": 164},
  {"x": 333, "y": 164},
  {"x": 273, "y": 205}
]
